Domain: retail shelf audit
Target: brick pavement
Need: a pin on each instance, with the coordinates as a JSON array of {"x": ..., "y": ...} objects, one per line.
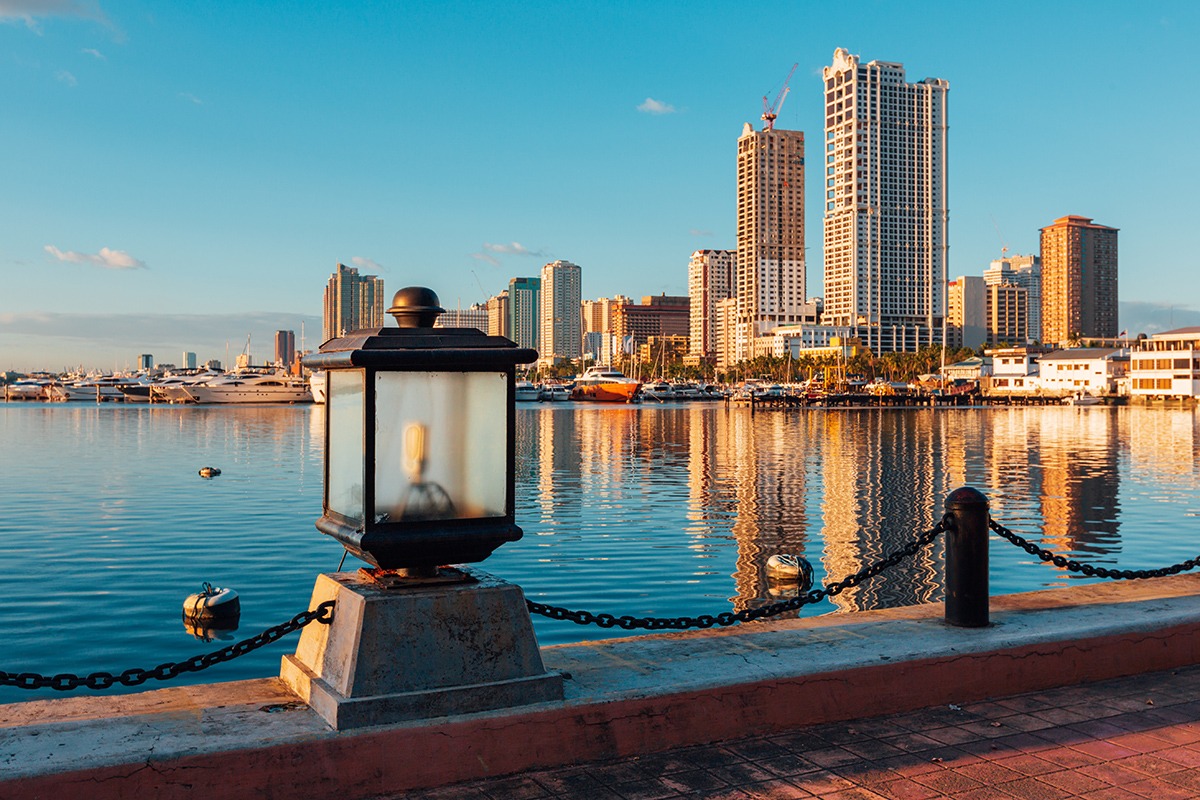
[{"x": 1136, "y": 737}]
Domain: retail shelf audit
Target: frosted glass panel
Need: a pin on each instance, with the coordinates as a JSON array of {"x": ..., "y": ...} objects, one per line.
[
  {"x": 440, "y": 445},
  {"x": 346, "y": 457}
]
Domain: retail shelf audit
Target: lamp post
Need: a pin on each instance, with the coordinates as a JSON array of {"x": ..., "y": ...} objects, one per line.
[
  {"x": 419, "y": 438},
  {"x": 419, "y": 464}
]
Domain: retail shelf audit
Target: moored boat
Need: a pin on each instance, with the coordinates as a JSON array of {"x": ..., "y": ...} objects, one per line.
[
  {"x": 316, "y": 384},
  {"x": 606, "y": 385},
  {"x": 250, "y": 388},
  {"x": 526, "y": 391}
]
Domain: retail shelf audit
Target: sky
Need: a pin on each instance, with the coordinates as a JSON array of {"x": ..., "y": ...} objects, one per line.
[{"x": 186, "y": 176}]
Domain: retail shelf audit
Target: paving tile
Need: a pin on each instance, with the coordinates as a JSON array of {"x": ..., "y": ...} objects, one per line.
[
  {"x": 821, "y": 783},
  {"x": 627, "y": 770},
  {"x": 1060, "y": 716},
  {"x": 520, "y": 787},
  {"x": 1150, "y": 764},
  {"x": 1103, "y": 749},
  {"x": 788, "y": 765},
  {"x": 1068, "y": 758},
  {"x": 1161, "y": 790},
  {"x": 833, "y": 757},
  {"x": 1189, "y": 779},
  {"x": 906, "y": 789},
  {"x": 984, "y": 793},
  {"x": 697, "y": 780},
  {"x": 910, "y": 764},
  {"x": 568, "y": 780},
  {"x": 800, "y": 741},
  {"x": 1028, "y": 764},
  {"x": 990, "y": 772},
  {"x": 949, "y": 782},
  {"x": 777, "y": 790},
  {"x": 1074, "y": 782},
  {"x": 1139, "y": 742},
  {"x": 757, "y": 749},
  {"x": 913, "y": 742},
  {"x": 666, "y": 763},
  {"x": 742, "y": 773},
  {"x": 956, "y": 734},
  {"x": 645, "y": 790},
  {"x": 1111, "y": 793},
  {"x": 1183, "y": 756},
  {"x": 853, "y": 793},
  {"x": 1112, "y": 772},
  {"x": 1034, "y": 789},
  {"x": 872, "y": 749}
]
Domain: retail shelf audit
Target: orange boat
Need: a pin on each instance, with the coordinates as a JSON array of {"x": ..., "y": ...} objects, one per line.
[{"x": 606, "y": 385}]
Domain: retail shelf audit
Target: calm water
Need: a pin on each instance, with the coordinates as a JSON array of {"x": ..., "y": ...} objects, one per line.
[{"x": 105, "y": 526}]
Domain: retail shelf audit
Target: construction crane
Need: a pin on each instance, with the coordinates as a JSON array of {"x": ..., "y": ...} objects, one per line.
[{"x": 770, "y": 112}]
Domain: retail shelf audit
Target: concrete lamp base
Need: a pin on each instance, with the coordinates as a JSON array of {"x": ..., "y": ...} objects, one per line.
[{"x": 436, "y": 649}]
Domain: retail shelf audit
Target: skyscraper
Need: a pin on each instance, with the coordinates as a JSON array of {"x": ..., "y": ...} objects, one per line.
[
  {"x": 1079, "y": 280},
  {"x": 710, "y": 280},
  {"x": 352, "y": 302},
  {"x": 1026, "y": 272},
  {"x": 561, "y": 331},
  {"x": 770, "y": 232},
  {"x": 524, "y": 319},
  {"x": 886, "y": 214},
  {"x": 285, "y": 348}
]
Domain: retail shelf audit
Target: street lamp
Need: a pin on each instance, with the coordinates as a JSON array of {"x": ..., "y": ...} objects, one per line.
[{"x": 419, "y": 432}]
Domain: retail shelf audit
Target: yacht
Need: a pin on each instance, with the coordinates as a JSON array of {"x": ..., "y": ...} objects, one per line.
[
  {"x": 659, "y": 390},
  {"x": 249, "y": 388},
  {"x": 316, "y": 384},
  {"x": 527, "y": 391},
  {"x": 554, "y": 392},
  {"x": 606, "y": 385}
]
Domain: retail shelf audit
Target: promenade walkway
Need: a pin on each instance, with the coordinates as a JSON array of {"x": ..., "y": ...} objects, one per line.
[{"x": 1136, "y": 737}]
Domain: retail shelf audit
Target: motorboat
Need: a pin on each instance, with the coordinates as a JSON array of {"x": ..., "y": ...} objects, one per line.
[
  {"x": 527, "y": 392},
  {"x": 554, "y": 392},
  {"x": 316, "y": 384},
  {"x": 1082, "y": 399},
  {"x": 659, "y": 390},
  {"x": 606, "y": 385},
  {"x": 241, "y": 387}
]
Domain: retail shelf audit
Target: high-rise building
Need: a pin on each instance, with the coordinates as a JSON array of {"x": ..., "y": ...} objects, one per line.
[
  {"x": 1007, "y": 315},
  {"x": 655, "y": 317},
  {"x": 499, "y": 316},
  {"x": 886, "y": 213},
  {"x": 352, "y": 302},
  {"x": 561, "y": 331},
  {"x": 476, "y": 316},
  {"x": 189, "y": 360},
  {"x": 770, "y": 232},
  {"x": 145, "y": 361},
  {"x": 1026, "y": 272},
  {"x": 710, "y": 280},
  {"x": 524, "y": 318},
  {"x": 966, "y": 314},
  {"x": 285, "y": 348},
  {"x": 1079, "y": 280}
]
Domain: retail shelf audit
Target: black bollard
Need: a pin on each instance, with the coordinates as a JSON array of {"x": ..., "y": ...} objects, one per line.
[{"x": 967, "y": 558}]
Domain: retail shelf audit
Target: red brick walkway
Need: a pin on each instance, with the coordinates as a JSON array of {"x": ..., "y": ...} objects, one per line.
[{"x": 1129, "y": 738}]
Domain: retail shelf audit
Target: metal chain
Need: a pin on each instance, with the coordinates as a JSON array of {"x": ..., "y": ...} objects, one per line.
[
  {"x": 65, "y": 682},
  {"x": 745, "y": 615},
  {"x": 1090, "y": 569}
]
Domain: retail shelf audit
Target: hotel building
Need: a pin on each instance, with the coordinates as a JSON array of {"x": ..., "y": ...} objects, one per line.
[
  {"x": 710, "y": 280},
  {"x": 1079, "y": 280},
  {"x": 886, "y": 213},
  {"x": 769, "y": 274},
  {"x": 560, "y": 335},
  {"x": 352, "y": 302}
]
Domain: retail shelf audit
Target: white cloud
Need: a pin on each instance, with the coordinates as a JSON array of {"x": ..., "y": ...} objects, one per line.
[
  {"x": 367, "y": 263},
  {"x": 109, "y": 259},
  {"x": 652, "y": 106},
  {"x": 698, "y": 232},
  {"x": 511, "y": 249},
  {"x": 495, "y": 262},
  {"x": 91, "y": 51},
  {"x": 66, "y": 77},
  {"x": 192, "y": 98}
]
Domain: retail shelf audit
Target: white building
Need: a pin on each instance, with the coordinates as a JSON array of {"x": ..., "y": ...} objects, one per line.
[
  {"x": 1166, "y": 366},
  {"x": 560, "y": 334},
  {"x": 1087, "y": 370},
  {"x": 710, "y": 280},
  {"x": 886, "y": 212},
  {"x": 476, "y": 316},
  {"x": 770, "y": 277}
]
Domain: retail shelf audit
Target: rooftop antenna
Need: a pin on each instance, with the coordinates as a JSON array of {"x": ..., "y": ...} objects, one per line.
[{"x": 770, "y": 112}]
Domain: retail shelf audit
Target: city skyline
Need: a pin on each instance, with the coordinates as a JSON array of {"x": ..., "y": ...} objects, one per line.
[{"x": 182, "y": 198}]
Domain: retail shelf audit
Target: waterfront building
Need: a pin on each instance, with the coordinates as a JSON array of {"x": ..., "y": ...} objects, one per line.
[
  {"x": 711, "y": 279},
  {"x": 1026, "y": 272},
  {"x": 189, "y": 360},
  {"x": 1079, "y": 280},
  {"x": 597, "y": 319},
  {"x": 524, "y": 319},
  {"x": 769, "y": 275},
  {"x": 728, "y": 345},
  {"x": 1087, "y": 370},
  {"x": 560, "y": 334},
  {"x": 634, "y": 324},
  {"x": 1014, "y": 370},
  {"x": 352, "y": 302},
  {"x": 1166, "y": 366},
  {"x": 145, "y": 361},
  {"x": 966, "y": 312},
  {"x": 475, "y": 316},
  {"x": 1007, "y": 314},
  {"x": 886, "y": 212},
  {"x": 285, "y": 349},
  {"x": 499, "y": 315}
]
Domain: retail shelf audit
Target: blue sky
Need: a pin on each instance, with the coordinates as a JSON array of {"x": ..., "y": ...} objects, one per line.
[{"x": 185, "y": 175}]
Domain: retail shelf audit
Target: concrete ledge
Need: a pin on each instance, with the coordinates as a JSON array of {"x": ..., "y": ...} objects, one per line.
[{"x": 624, "y": 697}]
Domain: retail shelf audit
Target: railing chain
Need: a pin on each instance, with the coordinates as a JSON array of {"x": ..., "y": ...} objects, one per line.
[
  {"x": 65, "y": 682},
  {"x": 1091, "y": 570},
  {"x": 727, "y": 618}
]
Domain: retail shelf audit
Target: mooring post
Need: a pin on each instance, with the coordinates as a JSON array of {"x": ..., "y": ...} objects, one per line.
[{"x": 967, "y": 558}]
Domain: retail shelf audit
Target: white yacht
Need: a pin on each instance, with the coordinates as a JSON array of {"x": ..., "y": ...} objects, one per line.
[
  {"x": 316, "y": 384},
  {"x": 249, "y": 388},
  {"x": 527, "y": 391}
]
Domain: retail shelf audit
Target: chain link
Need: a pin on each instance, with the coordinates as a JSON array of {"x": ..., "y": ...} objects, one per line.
[
  {"x": 65, "y": 682},
  {"x": 1090, "y": 570},
  {"x": 745, "y": 615}
]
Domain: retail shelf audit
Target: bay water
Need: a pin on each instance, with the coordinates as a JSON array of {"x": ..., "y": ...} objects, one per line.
[{"x": 651, "y": 510}]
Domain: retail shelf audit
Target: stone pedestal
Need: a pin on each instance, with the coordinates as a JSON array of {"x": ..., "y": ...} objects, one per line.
[{"x": 427, "y": 651}]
